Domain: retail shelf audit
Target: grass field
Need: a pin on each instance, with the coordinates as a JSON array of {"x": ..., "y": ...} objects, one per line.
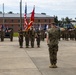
[{"x": 15, "y": 34}]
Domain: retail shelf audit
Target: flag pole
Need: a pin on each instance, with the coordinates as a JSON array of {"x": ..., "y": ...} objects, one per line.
[
  {"x": 21, "y": 14},
  {"x": 3, "y": 13}
]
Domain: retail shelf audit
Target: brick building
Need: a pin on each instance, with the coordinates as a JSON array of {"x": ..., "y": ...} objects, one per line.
[{"x": 13, "y": 20}]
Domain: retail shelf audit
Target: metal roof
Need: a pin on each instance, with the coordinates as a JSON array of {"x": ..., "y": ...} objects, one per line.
[{"x": 14, "y": 15}]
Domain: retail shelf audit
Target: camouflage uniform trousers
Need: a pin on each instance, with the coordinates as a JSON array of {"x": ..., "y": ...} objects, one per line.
[
  {"x": 53, "y": 54},
  {"x": 27, "y": 41},
  {"x": 21, "y": 41},
  {"x": 2, "y": 36},
  {"x": 32, "y": 41},
  {"x": 38, "y": 41}
]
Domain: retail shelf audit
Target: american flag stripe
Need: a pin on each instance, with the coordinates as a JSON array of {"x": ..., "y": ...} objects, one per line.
[{"x": 25, "y": 17}]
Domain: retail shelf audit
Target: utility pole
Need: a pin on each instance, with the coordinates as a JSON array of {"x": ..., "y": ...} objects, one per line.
[{"x": 20, "y": 13}]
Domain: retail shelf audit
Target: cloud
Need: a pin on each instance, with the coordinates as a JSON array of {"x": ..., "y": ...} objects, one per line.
[
  {"x": 43, "y": 4},
  {"x": 51, "y": 7}
]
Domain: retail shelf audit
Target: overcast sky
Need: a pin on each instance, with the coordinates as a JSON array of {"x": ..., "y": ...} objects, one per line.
[{"x": 60, "y": 8}]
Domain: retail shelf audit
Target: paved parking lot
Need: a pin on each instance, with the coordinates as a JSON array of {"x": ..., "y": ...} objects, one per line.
[{"x": 35, "y": 61}]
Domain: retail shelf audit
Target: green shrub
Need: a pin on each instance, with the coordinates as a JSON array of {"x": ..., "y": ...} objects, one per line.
[{"x": 15, "y": 34}]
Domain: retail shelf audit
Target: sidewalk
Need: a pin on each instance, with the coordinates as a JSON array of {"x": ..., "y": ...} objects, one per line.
[{"x": 35, "y": 61}]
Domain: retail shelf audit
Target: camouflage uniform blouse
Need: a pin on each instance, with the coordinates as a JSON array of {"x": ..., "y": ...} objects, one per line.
[{"x": 53, "y": 36}]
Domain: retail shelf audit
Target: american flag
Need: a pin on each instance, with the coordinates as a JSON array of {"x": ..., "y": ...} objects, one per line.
[{"x": 25, "y": 17}]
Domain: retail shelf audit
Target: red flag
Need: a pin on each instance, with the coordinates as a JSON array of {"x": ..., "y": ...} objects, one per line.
[
  {"x": 32, "y": 14},
  {"x": 31, "y": 19},
  {"x": 25, "y": 17}
]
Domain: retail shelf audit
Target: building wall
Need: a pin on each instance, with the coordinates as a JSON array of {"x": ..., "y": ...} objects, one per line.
[{"x": 14, "y": 22}]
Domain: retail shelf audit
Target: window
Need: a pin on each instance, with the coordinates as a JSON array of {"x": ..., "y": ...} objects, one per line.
[
  {"x": 38, "y": 20},
  {"x": 12, "y": 25},
  {"x": 18, "y": 20},
  {"x": 4, "y": 20},
  {"x": 12, "y": 20},
  {"x": 19, "y": 25},
  {"x": 45, "y": 20},
  {"x": 49, "y": 20}
]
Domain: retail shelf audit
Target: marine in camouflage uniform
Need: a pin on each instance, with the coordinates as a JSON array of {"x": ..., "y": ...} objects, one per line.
[
  {"x": 66, "y": 34},
  {"x": 21, "y": 38},
  {"x": 27, "y": 36},
  {"x": 38, "y": 38},
  {"x": 42, "y": 34},
  {"x": 2, "y": 34},
  {"x": 75, "y": 33},
  {"x": 11, "y": 34},
  {"x": 63, "y": 35},
  {"x": 53, "y": 38},
  {"x": 32, "y": 36},
  {"x": 72, "y": 35}
]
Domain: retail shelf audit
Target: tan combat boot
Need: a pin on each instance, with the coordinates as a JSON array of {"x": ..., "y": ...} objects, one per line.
[
  {"x": 54, "y": 66},
  {"x": 51, "y": 66}
]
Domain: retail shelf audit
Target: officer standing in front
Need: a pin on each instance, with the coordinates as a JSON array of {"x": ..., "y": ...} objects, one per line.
[
  {"x": 53, "y": 38},
  {"x": 21, "y": 38}
]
